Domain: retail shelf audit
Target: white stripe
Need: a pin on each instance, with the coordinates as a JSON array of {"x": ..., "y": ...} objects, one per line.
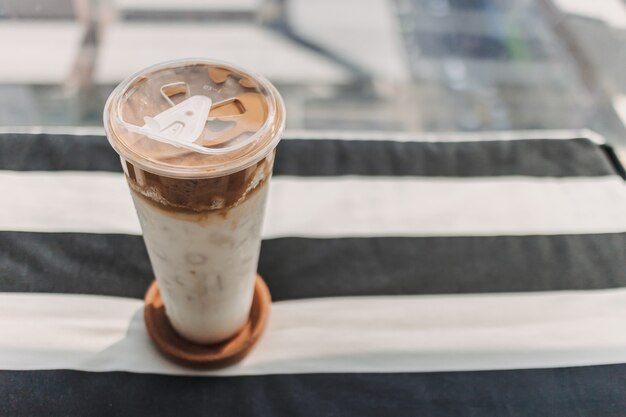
[
  {"x": 99, "y": 202},
  {"x": 291, "y": 134},
  {"x": 490, "y": 136},
  {"x": 63, "y": 201},
  {"x": 54, "y": 130},
  {"x": 612, "y": 12},
  {"x": 33, "y": 60},
  {"x": 619, "y": 104},
  {"x": 360, "y": 334},
  {"x": 241, "y": 41}
]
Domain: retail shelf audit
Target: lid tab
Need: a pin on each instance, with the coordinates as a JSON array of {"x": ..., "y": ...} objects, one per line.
[{"x": 180, "y": 125}]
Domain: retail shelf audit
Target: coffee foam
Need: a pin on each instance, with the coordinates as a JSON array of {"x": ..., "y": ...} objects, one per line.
[{"x": 196, "y": 196}]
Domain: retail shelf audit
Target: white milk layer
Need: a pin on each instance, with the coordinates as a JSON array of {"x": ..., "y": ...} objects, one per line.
[{"x": 206, "y": 269}]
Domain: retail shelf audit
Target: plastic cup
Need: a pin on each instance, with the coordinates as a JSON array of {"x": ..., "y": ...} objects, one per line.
[{"x": 196, "y": 139}]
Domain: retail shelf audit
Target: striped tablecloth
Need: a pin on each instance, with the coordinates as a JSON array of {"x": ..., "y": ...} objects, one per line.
[{"x": 437, "y": 275}]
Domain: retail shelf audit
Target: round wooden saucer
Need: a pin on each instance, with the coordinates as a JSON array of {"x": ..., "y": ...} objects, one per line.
[{"x": 206, "y": 356}]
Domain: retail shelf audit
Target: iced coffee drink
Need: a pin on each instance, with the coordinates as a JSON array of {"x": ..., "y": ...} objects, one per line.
[{"x": 196, "y": 139}]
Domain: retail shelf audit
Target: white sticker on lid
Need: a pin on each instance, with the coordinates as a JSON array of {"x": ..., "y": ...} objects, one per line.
[{"x": 181, "y": 124}]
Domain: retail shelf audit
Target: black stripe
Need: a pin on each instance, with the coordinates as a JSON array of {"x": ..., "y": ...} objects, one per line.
[
  {"x": 554, "y": 158},
  {"x": 614, "y": 160},
  {"x": 303, "y": 268},
  {"x": 442, "y": 265},
  {"x": 598, "y": 391},
  {"x": 48, "y": 152}
]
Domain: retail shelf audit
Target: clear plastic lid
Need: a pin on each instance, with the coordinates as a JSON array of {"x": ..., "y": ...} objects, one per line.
[{"x": 194, "y": 118}]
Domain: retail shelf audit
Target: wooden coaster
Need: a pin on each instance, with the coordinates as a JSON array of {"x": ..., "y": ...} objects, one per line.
[{"x": 206, "y": 356}]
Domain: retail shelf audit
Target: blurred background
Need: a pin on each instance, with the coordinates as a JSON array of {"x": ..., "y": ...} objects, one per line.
[{"x": 358, "y": 65}]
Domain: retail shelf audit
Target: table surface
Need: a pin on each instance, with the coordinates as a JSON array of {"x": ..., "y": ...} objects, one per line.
[{"x": 441, "y": 275}]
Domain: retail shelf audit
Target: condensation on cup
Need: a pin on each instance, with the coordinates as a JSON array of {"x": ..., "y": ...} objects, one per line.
[{"x": 197, "y": 139}]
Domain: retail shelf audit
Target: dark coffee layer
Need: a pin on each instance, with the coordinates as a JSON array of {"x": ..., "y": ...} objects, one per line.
[{"x": 199, "y": 195}]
